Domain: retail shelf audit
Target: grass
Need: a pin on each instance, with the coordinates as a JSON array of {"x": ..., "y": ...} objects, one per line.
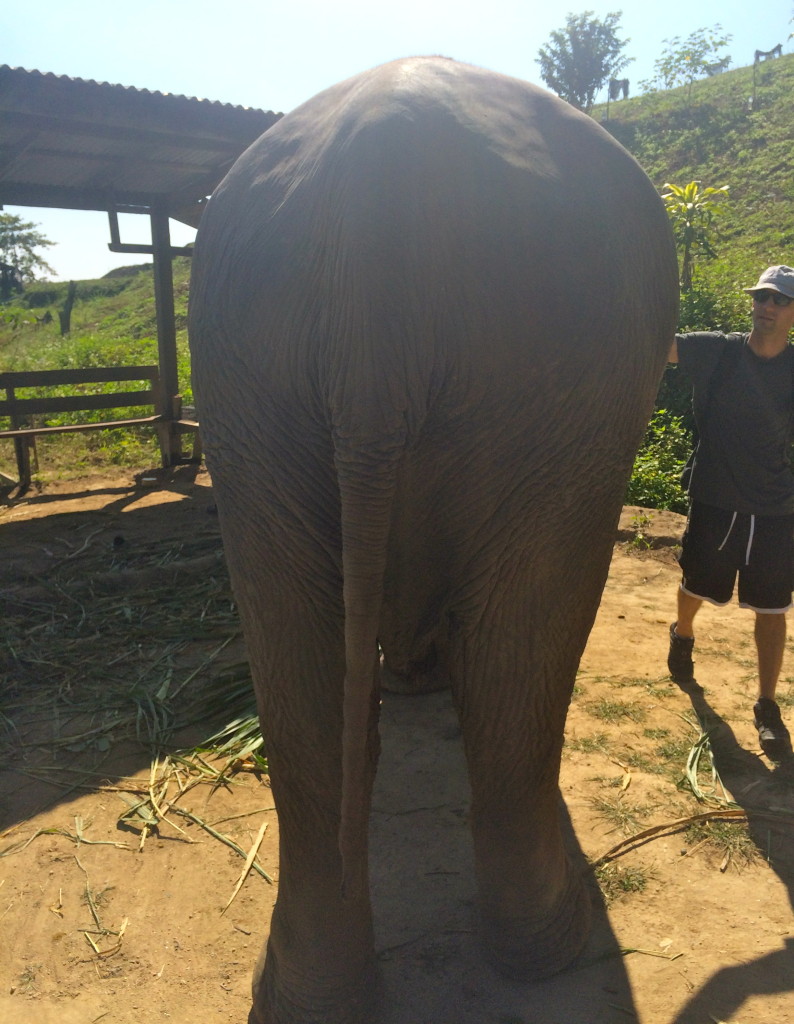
[
  {"x": 615, "y": 710},
  {"x": 27, "y": 979},
  {"x": 657, "y": 688},
  {"x": 135, "y": 644},
  {"x": 722, "y": 832},
  {"x": 617, "y": 882},
  {"x": 728, "y": 842},
  {"x": 718, "y": 141},
  {"x": 598, "y": 743},
  {"x": 620, "y": 813},
  {"x": 674, "y": 750},
  {"x": 164, "y": 642},
  {"x": 686, "y": 772},
  {"x": 643, "y": 762},
  {"x": 113, "y": 323}
]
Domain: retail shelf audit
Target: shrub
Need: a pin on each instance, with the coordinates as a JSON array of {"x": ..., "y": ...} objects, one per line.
[{"x": 655, "y": 479}]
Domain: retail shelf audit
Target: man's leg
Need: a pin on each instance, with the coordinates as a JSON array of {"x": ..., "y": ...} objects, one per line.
[
  {"x": 682, "y": 639},
  {"x": 770, "y": 642},
  {"x": 688, "y": 607},
  {"x": 765, "y": 587},
  {"x": 706, "y": 572}
]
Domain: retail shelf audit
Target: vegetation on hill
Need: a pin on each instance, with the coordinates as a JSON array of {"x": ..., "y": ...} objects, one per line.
[
  {"x": 112, "y": 323},
  {"x": 734, "y": 130}
]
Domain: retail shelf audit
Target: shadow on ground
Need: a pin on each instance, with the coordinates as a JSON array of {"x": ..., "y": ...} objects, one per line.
[
  {"x": 766, "y": 794},
  {"x": 423, "y": 890}
]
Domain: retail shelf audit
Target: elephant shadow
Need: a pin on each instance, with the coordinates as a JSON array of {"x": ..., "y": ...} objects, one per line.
[
  {"x": 432, "y": 965},
  {"x": 767, "y": 797}
]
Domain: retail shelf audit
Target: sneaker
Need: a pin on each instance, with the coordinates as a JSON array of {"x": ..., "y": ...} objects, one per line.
[
  {"x": 772, "y": 733},
  {"x": 679, "y": 658}
]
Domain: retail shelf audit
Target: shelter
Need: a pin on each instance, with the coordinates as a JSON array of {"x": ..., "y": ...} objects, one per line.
[{"x": 83, "y": 145}]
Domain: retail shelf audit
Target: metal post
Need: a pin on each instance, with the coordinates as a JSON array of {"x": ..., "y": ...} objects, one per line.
[{"x": 166, "y": 334}]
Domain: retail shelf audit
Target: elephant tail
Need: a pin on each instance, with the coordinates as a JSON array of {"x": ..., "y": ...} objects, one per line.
[{"x": 367, "y": 486}]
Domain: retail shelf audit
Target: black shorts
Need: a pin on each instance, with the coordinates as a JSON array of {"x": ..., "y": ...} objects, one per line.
[{"x": 718, "y": 544}]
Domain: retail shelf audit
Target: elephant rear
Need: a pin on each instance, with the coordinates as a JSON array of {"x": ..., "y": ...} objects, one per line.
[{"x": 429, "y": 313}]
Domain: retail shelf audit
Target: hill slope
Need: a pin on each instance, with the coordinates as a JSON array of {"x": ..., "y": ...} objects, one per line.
[{"x": 738, "y": 131}]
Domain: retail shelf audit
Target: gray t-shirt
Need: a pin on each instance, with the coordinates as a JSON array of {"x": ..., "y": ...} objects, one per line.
[{"x": 743, "y": 457}]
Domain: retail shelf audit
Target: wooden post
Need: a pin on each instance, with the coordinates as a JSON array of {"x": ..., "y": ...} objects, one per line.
[
  {"x": 170, "y": 445},
  {"x": 22, "y": 446},
  {"x": 65, "y": 314}
]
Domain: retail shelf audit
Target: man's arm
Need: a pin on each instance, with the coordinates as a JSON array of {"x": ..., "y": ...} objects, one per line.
[{"x": 672, "y": 355}]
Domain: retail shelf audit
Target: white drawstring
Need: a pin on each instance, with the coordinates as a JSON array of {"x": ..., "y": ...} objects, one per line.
[
  {"x": 750, "y": 539},
  {"x": 727, "y": 535}
]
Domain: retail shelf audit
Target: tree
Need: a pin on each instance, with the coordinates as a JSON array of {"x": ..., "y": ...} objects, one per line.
[
  {"x": 581, "y": 58},
  {"x": 692, "y": 210},
  {"x": 684, "y": 61},
  {"x": 18, "y": 244}
]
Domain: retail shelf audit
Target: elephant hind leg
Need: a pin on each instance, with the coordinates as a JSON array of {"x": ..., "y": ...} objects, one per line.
[
  {"x": 319, "y": 964},
  {"x": 354, "y": 1003},
  {"x": 533, "y": 906},
  {"x": 530, "y": 950}
]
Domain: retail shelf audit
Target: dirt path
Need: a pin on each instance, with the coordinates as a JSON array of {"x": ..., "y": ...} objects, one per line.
[{"x": 692, "y": 927}]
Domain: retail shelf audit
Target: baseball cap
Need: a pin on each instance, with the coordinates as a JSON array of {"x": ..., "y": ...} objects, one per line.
[{"x": 778, "y": 279}]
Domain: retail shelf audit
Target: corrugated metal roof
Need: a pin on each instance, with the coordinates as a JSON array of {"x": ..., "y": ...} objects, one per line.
[{"x": 78, "y": 144}]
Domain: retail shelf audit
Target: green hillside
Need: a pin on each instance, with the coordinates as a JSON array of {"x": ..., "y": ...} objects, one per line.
[
  {"x": 737, "y": 130},
  {"x": 112, "y": 323},
  {"x": 734, "y": 129}
]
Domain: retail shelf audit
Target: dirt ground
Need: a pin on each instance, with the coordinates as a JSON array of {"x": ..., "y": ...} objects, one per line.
[{"x": 103, "y": 921}]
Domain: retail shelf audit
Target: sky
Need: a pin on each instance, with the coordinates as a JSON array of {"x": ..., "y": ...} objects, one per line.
[{"x": 274, "y": 55}]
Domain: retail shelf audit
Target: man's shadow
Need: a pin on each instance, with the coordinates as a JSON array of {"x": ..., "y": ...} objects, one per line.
[{"x": 766, "y": 794}]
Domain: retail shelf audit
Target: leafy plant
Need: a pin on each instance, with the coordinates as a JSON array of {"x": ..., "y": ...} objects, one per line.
[
  {"x": 580, "y": 58},
  {"x": 13, "y": 316},
  {"x": 640, "y": 523},
  {"x": 692, "y": 211},
  {"x": 655, "y": 479}
]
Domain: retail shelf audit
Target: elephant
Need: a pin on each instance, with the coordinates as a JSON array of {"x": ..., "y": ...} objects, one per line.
[{"x": 429, "y": 312}]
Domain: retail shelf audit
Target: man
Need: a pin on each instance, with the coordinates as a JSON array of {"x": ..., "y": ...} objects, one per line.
[{"x": 741, "y": 517}]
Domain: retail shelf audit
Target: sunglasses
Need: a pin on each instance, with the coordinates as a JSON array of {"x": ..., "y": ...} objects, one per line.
[{"x": 766, "y": 294}]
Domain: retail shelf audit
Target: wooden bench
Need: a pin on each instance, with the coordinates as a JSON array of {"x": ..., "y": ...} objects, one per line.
[{"x": 24, "y": 432}]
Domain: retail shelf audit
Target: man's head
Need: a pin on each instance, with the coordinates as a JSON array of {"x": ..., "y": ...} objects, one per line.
[
  {"x": 775, "y": 279},
  {"x": 773, "y": 304}
]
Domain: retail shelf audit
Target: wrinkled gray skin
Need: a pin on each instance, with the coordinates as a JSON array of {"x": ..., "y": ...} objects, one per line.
[{"x": 429, "y": 313}]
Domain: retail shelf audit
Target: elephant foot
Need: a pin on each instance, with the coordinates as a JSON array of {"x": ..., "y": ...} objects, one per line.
[
  {"x": 528, "y": 949},
  {"x": 281, "y": 996}
]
